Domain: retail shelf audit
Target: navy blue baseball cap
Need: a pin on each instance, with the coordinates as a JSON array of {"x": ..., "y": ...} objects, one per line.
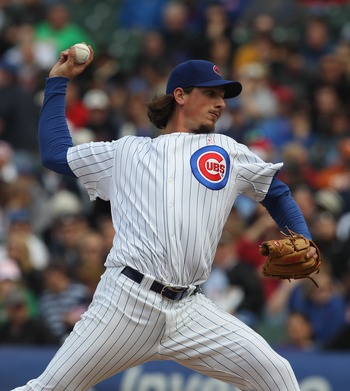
[{"x": 201, "y": 73}]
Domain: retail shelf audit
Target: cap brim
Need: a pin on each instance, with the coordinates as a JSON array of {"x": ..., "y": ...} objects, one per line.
[{"x": 232, "y": 88}]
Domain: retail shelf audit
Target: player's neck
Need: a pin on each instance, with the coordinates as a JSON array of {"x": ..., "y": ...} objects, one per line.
[{"x": 176, "y": 126}]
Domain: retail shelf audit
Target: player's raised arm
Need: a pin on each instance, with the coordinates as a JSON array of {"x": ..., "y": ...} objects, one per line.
[{"x": 54, "y": 136}]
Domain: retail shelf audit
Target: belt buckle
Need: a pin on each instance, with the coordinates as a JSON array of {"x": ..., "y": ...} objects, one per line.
[{"x": 176, "y": 291}]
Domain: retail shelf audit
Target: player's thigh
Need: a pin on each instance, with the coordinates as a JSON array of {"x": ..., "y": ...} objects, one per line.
[
  {"x": 219, "y": 345},
  {"x": 110, "y": 337}
]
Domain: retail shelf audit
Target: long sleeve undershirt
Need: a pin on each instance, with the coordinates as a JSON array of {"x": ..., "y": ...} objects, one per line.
[
  {"x": 54, "y": 136},
  {"x": 283, "y": 208},
  {"x": 55, "y": 139}
]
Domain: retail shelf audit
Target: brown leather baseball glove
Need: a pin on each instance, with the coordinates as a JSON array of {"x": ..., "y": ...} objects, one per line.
[{"x": 286, "y": 258}]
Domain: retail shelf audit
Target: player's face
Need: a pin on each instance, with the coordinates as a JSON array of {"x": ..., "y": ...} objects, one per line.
[{"x": 202, "y": 108}]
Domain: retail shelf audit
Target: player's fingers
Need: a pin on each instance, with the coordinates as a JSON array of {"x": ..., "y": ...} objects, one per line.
[
  {"x": 71, "y": 54},
  {"x": 64, "y": 56},
  {"x": 67, "y": 67},
  {"x": 312, "y": 253},
  {"x": 91, "y": 54}
]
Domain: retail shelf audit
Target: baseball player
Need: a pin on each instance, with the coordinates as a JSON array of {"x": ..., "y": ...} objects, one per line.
[{"x": 170, "y": 197}]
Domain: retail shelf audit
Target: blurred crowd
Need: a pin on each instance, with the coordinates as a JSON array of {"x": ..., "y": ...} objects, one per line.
[{"x": 293, "y": 60}]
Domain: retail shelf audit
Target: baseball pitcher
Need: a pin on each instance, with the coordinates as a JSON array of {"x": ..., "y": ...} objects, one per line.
[{"x": 170, "y": 197}]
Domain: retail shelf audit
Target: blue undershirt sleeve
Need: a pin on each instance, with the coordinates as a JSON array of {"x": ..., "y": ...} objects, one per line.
[
  {"x": 54, "y": 136},
  {"x": 284, "y": 210}
]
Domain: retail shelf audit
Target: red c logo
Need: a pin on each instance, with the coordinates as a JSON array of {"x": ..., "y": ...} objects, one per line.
[
  {"x": 216, "y": 70},
  {"x": 211, "y": 169},
  {"x": 211, "y": 166}
]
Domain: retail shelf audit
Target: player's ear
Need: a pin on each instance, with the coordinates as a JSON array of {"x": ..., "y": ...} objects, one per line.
[{"x": 179, "y": 95}]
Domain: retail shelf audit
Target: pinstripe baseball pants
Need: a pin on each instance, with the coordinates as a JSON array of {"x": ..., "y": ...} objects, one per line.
[{"x": 127, "y": 325}]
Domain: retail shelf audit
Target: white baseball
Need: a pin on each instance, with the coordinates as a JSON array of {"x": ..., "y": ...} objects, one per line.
[{"x": 82, "y": 53}]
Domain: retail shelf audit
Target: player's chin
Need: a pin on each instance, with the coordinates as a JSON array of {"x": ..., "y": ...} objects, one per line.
[{"x": 205, "y": 128}]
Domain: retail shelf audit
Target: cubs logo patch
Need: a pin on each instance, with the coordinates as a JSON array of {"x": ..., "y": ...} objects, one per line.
[
  {"x": 211, "y": 166},
  {"x": 216, "y": 70}
]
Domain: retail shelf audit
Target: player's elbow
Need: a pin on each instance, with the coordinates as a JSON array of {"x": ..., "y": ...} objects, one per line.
[
  {"x": 46, "y": 161},
  {"x": 57, "y": 163},
  {"x": 49, "y": 161}
]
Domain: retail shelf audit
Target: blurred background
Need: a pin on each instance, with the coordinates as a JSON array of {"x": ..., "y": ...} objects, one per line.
[{"x": 293, "y": 59}]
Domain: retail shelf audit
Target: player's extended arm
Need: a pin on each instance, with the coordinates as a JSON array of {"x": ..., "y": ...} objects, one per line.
[
  {"x": 54, "y": 136},
  {"x": 283, "y": 208},
  {"x": 286, "y": 212}
]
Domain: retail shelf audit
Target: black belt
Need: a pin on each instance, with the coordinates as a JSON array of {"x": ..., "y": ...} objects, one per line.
[{"x": 170, "y": 292}]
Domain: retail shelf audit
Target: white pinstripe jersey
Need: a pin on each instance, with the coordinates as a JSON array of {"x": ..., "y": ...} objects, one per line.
[{"x": 170, "y": 197}]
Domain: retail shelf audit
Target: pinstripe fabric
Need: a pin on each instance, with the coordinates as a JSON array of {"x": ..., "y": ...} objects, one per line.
[
  {"x": 127, "y": 325},
  {"x": 167, "y": 225}
]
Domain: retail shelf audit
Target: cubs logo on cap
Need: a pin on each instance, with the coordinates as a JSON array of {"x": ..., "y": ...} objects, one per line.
[
  {"x": 216, "y": 70},
  {"x": 211, "y": 166}
]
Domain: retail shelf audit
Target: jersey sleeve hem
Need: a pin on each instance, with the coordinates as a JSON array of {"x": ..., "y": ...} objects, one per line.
[
  {"x": 254, "y": 180},
  {"x": 92, "y": 163}
]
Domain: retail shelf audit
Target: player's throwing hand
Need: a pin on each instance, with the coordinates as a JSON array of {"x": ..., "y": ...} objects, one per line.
[{"x": 67, "y": 67}]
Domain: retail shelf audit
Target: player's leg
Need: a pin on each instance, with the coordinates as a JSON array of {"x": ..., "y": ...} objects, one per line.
[
  {"x": 208, "y": 340},
  {"x": 120, "y": 330}
]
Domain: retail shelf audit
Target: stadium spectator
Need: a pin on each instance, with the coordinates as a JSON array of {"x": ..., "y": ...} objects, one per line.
[
  {"x": 182, "y": 42},
  {"x": 10, "y": 278},
  {"x": 153, "y": 64},
  {"x": 332, "y": 73},
  {"x": 333, "y": 250},
  {"x": 17, "y": 248},
  {"x": 325, "y": 105},
  {"x": 262, "y": 227},
  {"x": 137, "y": 122},
  {"x": 91, "y": 258},
  {"x": 337, "y": 175},
  {"x": 141, "y": 14},
  {"x": 220, "y": 53},
  {"x": 235, "y": 122},
  {"x": 18, "y": 113},
  {"x": 68, "y": 230},
  {"x": 104, "y": 226},
  {"x": 259, "y": 47},
  {"x": 299, "y": 334},
  {"x": 57, "y": 32},
  {"x": 20, "y": 328},
  {"x": 325, "y": 306},
  {"x": 8, "y": 169},
  {"x": 316, "y": 41},
  {"x": 304, "y": 197},
  {"x": 76, "y": 110},
  {"x": 63, "y": 300},
  {"x": 99, "y": 117},
  {"x": 217, "y": 23},
  {"x": 297, "y": 169},
  {"x": 257, "y": 97},
  {"x": 20, "y": 227}
]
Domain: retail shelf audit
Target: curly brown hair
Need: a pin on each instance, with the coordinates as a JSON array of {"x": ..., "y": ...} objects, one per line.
[{"x": 160, "y": 109}]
